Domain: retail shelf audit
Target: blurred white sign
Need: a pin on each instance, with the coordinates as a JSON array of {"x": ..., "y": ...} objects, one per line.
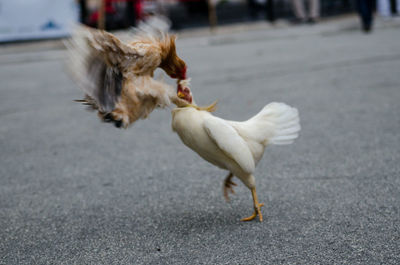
[{"x": 36, "y": 19}]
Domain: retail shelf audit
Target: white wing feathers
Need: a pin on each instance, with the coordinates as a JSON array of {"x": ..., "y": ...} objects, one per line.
[{"x": 230, "y": 142}]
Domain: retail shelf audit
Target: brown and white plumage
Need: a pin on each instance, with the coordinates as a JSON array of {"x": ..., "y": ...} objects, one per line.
[{"x": 117, "y": 77}]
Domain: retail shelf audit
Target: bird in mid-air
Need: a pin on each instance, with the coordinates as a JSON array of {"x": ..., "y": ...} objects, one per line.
[{"x": 117, "y": 77}]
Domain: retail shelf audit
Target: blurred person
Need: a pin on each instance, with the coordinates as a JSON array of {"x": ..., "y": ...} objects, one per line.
[
  {"x": 256, "y": 7},
  {"x": 270, "y": 11},
  {"x": 365, "y": 9},
  {"x": 196, "y": 7},
  {"x": 300, "y": 13},
  {"x": 130, "y": 16},
  {"x": 385, "y": 9},
  {"x": 114, "y": 18},
  {"x": 83, "y": 11},
  {"x": 110, "y": 17}
]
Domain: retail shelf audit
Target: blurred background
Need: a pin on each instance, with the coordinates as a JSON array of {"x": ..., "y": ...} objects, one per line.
[
  {"x": 33, "y": 19},
  {"x": 74, "y": 190}
]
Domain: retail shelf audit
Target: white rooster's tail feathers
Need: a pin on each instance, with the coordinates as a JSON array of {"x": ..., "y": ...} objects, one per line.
[
  {"x": 276, "y": 123},
  {"x": 286, "y": 122}
]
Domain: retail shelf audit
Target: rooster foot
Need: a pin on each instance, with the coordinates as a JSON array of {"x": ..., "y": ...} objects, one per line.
[
  {"x": 115, "y": 117},
  {"x": 228, "y": 186},
  {"x": 257, "y": 211},
  {"x": 257, "y": 208}
]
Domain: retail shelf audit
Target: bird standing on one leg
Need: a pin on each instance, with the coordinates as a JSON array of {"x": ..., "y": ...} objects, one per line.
[{"x": 235, "y": 146}]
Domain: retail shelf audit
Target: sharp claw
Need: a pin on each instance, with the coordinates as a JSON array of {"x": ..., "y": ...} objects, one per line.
[
  {"x": 226, "y": 197},
  {"x": 226, "y": 194},
  {"x": 228, "y": 189},
  {"x": 254, "y": 215},
  {"x": 118, "y": 124},
  {"x": 257, "y": 211},
  {"x": 108, "y": 117}
]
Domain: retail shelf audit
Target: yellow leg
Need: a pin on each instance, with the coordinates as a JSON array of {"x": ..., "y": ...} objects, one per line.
[{"x": 257, "y": 207}]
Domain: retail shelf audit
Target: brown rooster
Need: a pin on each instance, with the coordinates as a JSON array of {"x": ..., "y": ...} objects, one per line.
[{"x": 117, "y": 77}]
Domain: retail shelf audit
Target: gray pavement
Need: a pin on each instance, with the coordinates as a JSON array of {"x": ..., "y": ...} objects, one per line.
[{"x": 76, "y": 191}]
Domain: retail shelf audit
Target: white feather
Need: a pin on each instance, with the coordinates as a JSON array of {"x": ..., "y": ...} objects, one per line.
[
  {"x": 276, "y": 123},
  {"x": 236, "y": 146},
  {"x": 230, "y": 142}
]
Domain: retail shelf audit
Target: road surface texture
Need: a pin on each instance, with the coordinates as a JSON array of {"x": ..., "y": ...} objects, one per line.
[{"x": 74, "y": 190}]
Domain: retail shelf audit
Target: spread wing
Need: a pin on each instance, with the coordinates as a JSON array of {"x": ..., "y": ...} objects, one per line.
[
  {"x": 230, "y": 142},
  {"x": 114, "y": 74}
]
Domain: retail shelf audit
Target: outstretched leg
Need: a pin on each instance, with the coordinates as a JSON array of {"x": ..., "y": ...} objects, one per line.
[
  {"x": 228, "y": 183},
  {"x": 257, "y": 207}
]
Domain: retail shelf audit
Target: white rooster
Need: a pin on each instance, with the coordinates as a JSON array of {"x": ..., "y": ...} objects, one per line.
[{"x": 234, "y": 146}]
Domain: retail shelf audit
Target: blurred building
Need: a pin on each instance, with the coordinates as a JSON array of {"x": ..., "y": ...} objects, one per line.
[
  {"x": 194, "y": 13},
  {"x": 36, "y": 19}
]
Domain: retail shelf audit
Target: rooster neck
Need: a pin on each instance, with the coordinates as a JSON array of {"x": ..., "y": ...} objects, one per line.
[
  {"x": 167, "y": 47},
  {"x": 184, "y": 109}
]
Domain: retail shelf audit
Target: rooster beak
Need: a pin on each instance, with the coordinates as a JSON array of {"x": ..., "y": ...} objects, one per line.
[{"x": 181, "y": 94}]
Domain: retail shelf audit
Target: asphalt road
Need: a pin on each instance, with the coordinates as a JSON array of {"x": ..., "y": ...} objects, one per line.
[{"x": 76, "y": 191}]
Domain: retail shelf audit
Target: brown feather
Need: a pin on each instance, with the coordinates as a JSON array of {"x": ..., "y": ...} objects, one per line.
[{"x": 117, "y": 77}]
